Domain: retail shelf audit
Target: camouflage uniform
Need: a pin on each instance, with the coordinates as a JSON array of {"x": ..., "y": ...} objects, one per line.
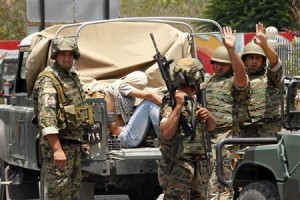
[
  {"x": 183, "y": 169},
  {"x": 56, "y": 117},
  {"x": 183, "y": 172},
  {"x": 262, "y": 116},
  {"x": 224, "y": 101}
]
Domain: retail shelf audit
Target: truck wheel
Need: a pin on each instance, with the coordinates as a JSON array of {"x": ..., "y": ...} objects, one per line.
[
  {"x": 265, "y": 190},
  {"x": 2, "y": 177},
  {"x": 26, "y": 187}
]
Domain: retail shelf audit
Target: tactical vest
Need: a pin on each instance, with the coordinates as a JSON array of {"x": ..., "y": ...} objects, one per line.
[
  {"x": 185, "y": 146},
  {"x": 219, "y": 100},
  {"x": 264, "y": 103},
  {"x": 72, "y": 116}
]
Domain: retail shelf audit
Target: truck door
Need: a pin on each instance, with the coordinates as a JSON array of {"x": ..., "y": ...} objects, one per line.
[{"x": 22, "y": 137}]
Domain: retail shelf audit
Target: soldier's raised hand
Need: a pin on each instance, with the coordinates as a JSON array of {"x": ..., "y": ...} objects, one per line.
[
  {"x": 229, "y": 37},
  {"x": 260, "y": 37}
]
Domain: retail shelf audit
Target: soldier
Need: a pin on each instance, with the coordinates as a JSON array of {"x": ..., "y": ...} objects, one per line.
[
  {"x": 182, "y": 173},
  {"x": 262, "y": 115},
  {"x": 225, "y": 91},
  {"x": 129, "y": 124},
  {"x": 59, "y": 96}
]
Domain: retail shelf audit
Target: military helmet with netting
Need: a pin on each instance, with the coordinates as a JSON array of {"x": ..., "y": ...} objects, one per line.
[
  {"x": 65, "y": 44},
  {"x": 192, "y": 69}
]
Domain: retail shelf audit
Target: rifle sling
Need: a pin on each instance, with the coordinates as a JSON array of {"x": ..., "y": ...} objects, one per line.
[{"x": 61, "y": 97}]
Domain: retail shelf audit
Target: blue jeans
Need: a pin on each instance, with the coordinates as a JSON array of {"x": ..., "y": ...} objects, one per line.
[{"x": 136, "y": 129}]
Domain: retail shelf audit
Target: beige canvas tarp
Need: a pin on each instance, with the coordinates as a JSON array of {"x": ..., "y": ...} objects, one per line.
[{"x": 112, "y": 50}]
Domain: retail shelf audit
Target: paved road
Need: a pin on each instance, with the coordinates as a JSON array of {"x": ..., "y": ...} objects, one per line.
[
  {"x": 111, "y": 197},
  {"x": 117, "y": 197}
]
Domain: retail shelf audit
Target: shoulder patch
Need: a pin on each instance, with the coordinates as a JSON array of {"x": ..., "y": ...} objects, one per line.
[{"x": 50, "y": 101}]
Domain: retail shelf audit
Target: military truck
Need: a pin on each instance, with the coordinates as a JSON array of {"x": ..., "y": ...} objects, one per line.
[
  {"x": 109, "y": 50},
  {"x": 268, "y": 168}
]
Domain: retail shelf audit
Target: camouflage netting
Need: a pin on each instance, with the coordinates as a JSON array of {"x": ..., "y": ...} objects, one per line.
[{"x": 111, "y": 50}]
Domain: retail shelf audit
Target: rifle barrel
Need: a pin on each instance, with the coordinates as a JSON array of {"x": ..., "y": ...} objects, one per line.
[{"x": 154, "y": 43}]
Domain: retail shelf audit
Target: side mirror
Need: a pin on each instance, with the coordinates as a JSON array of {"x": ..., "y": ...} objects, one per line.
[{"x": 1, "y": 83}]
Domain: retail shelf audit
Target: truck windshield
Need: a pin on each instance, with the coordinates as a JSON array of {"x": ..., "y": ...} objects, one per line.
[
  {"x": 9, "y": 69},
  {"x": 9, "y": 66}
]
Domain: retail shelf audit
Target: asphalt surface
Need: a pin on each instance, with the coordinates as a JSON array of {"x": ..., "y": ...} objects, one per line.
[
  {"x": 111, "y": 197},
  {"x": 117, "y": 197}
]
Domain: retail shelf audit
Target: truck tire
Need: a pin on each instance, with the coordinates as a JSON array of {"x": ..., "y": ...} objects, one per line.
[
  {"x": 27, "y": 188},
  {"x": 264, "y": 190},
  {"x": 2, "y": 177}
]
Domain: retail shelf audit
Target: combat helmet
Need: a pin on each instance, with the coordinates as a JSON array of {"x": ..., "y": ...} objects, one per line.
[
  {"x": 252, "y": 48},
  {"x": 65, "y": 44},
  {"x": 220, "y": 55},
  {"x": 192, "y": 70}
]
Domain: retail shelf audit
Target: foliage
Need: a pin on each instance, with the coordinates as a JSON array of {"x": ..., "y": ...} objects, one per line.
[
  {"x": 13, "y": 25},
  {"x": 179, "y": 8},
  {"x": 163, "y": 8},
  {"x": 294, "y": 9},
  {"x": 242, "y": 15}
]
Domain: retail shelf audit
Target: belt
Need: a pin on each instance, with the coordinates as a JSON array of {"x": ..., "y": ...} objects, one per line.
[{"x": 69, "y": 142}]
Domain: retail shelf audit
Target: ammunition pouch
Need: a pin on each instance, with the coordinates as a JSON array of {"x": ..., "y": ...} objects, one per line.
[{"x": 79, "y": 117}]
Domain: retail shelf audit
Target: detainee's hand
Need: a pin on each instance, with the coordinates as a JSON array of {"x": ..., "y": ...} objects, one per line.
[{"x": 60, "y": 159}]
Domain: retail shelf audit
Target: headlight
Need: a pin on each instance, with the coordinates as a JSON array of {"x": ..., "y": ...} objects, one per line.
[{"x": 236, "y": 160}]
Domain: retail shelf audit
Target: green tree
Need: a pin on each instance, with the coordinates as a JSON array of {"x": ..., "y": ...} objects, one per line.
[
  {"x": 179, "y": 8},
  {"x": 13, "y": 24},
  {"x": 163, "y": 8},
  {"x": 294, "y": 10},
  {"x": 242, "y": 15}
]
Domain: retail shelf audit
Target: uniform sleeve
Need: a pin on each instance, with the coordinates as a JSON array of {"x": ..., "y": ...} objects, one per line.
[
  {"x": 165, "y": 109},
  {"x": 241, "y": 94},
  {"x": 47, "y": 101},
  {"x": 275, "y": 74}
]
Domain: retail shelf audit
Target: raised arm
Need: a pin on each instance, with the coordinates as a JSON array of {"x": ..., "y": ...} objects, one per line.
[
  {"x": 261, "y": 40},
  {"x": 229, "y": 39}
]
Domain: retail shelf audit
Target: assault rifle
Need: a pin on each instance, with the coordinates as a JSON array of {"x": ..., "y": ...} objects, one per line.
[{"x": 164, "y": 67}]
